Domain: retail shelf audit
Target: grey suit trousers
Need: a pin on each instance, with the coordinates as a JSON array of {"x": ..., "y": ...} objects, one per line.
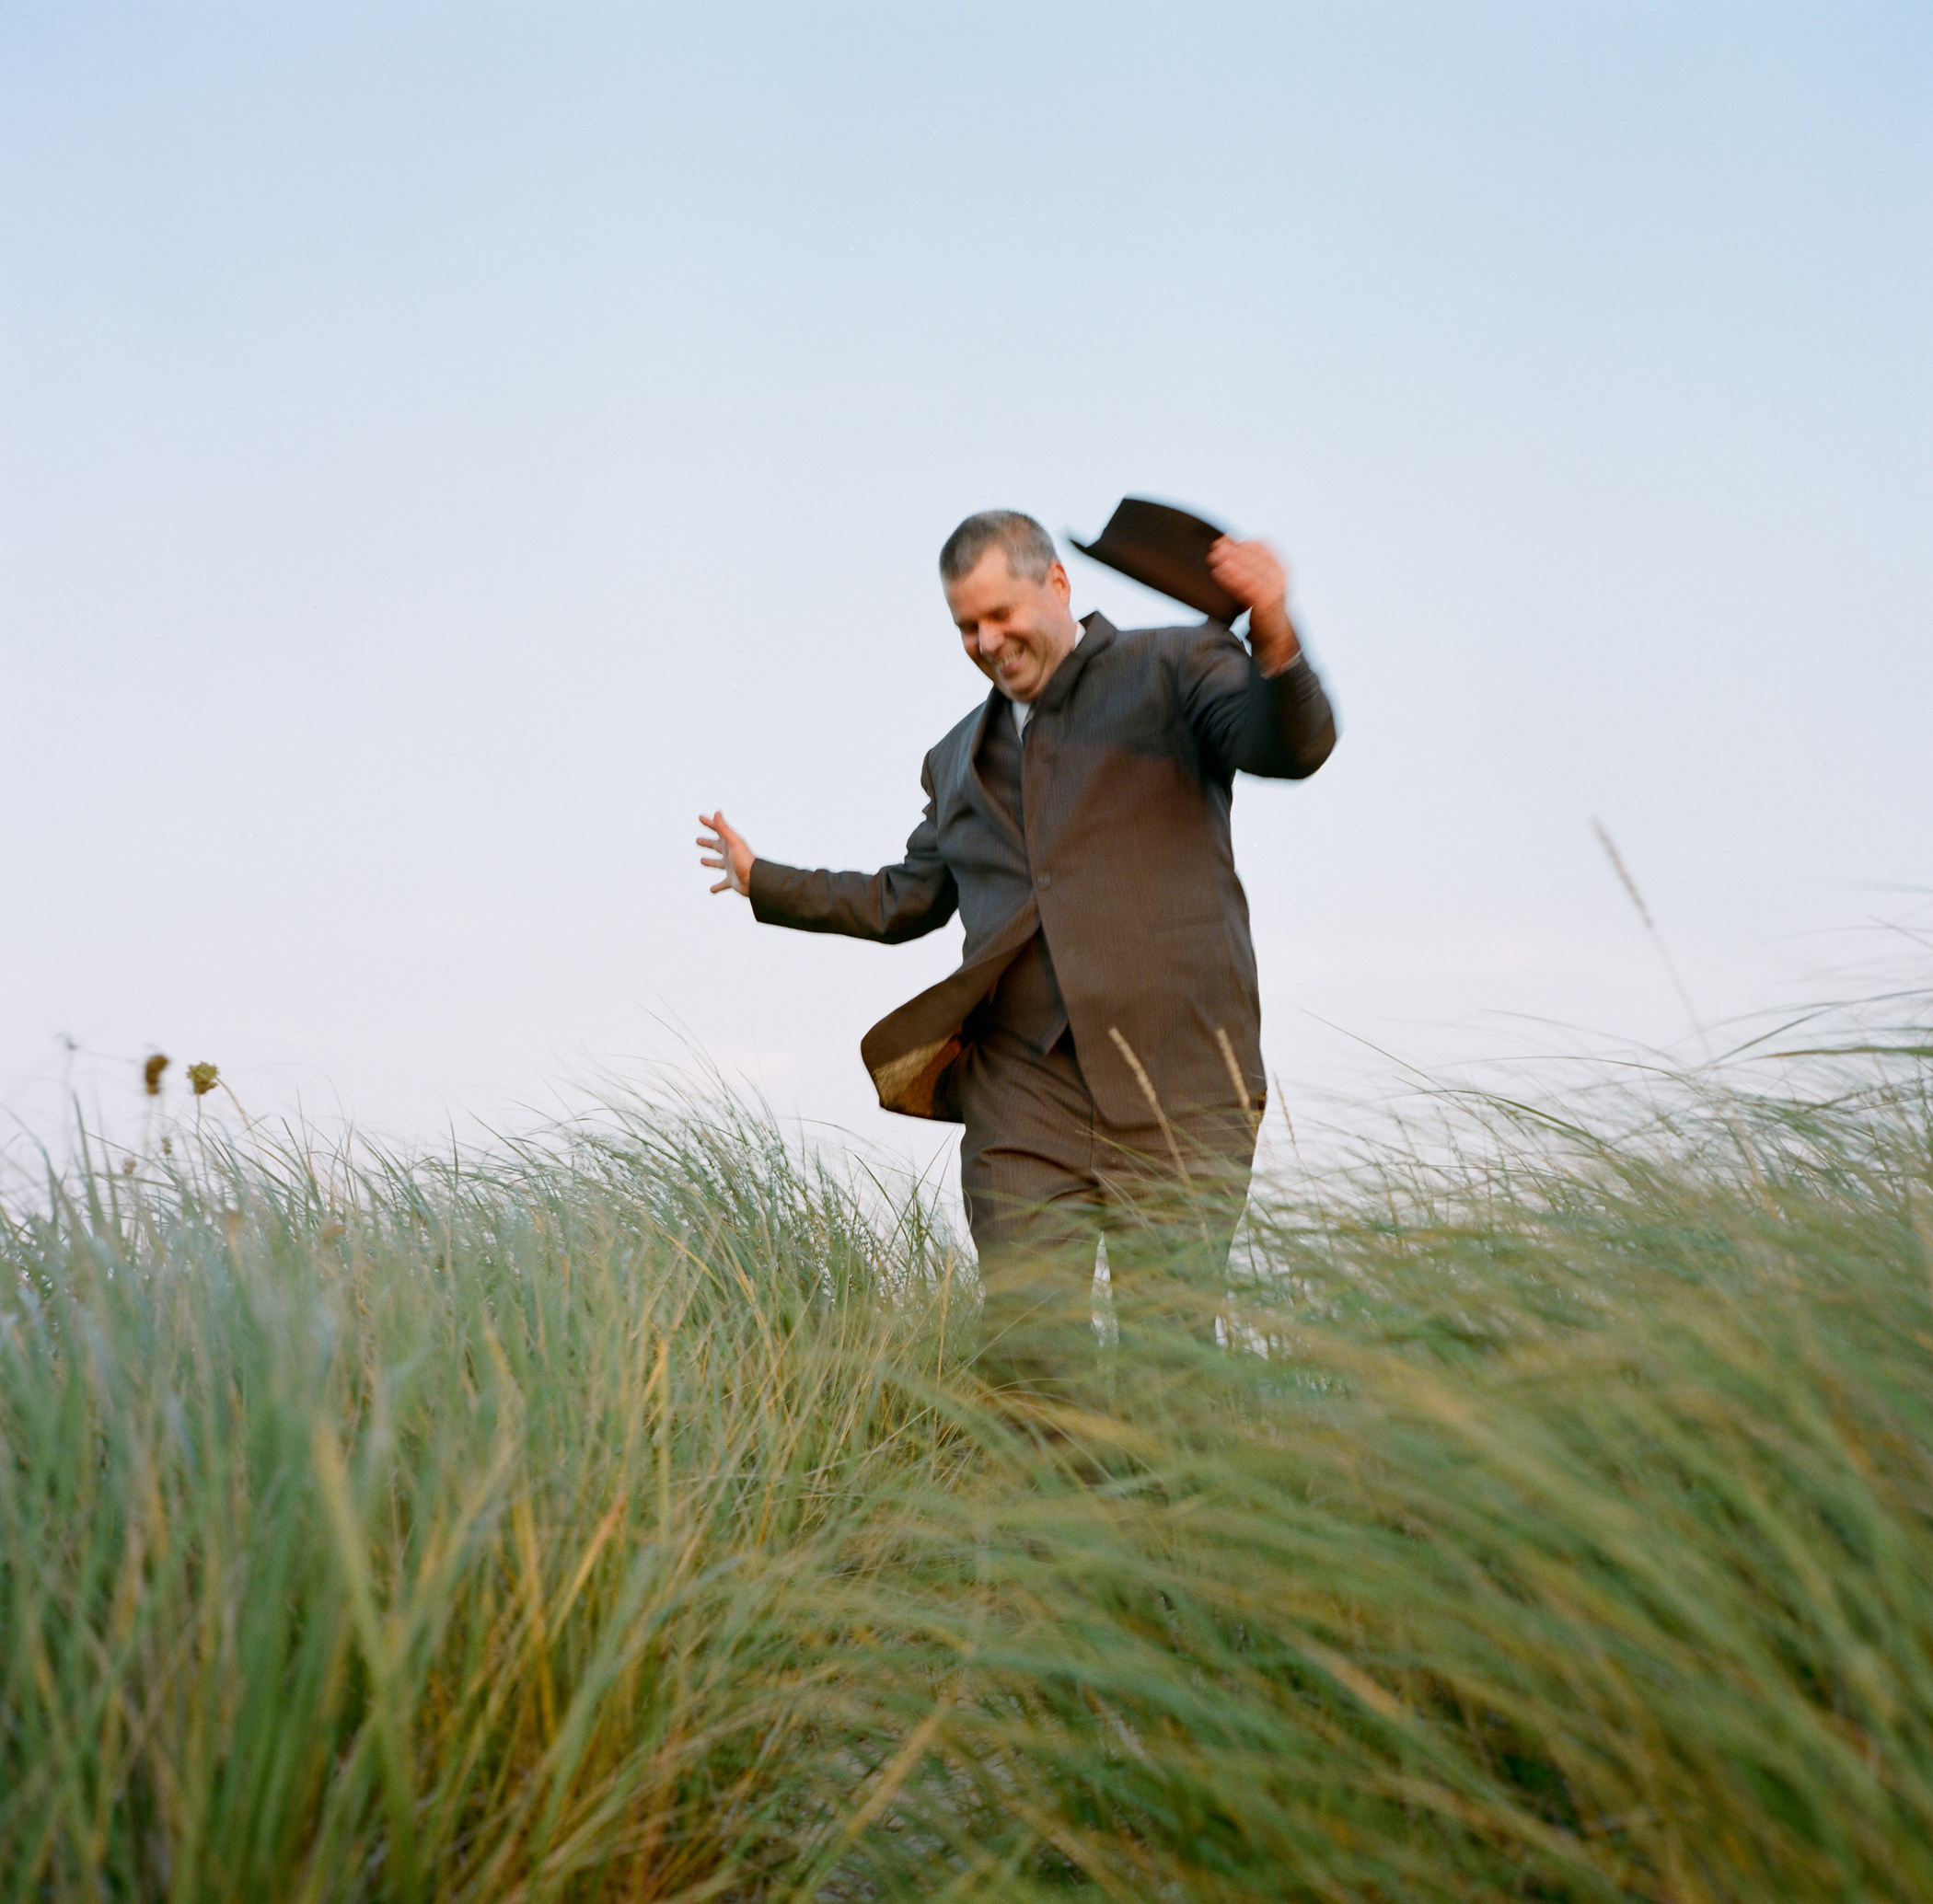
[{"x": 1046, "y": 1177}]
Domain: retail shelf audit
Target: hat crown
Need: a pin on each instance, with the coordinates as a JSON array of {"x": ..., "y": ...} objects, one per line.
[{"x": 1164, "y": 548}]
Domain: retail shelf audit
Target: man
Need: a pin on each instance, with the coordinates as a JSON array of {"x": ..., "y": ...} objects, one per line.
[{"x": 1101, "y": 1041}]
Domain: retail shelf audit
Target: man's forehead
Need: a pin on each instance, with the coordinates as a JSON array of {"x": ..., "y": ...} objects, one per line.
[
  {"x": 987, "y": 584},
  {"x": 995, "y": 567}
]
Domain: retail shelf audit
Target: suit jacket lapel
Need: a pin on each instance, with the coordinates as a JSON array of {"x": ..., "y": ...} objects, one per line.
[
  {"x": 996, "y": 710},
  {"x": 1098, "y": 631},
  {"x": 911, "y": 1052}
]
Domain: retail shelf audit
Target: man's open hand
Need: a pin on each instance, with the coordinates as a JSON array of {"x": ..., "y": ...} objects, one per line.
[
  {"x": 733, "y": 856},
  {"x": 1253, "y": 573}
]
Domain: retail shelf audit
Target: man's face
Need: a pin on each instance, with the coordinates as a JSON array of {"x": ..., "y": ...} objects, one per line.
[{"x": 1016, "y": 632}]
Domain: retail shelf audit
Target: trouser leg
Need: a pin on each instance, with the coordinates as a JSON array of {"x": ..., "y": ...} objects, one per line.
[
  {"x": 1170, "y": 1221},
  {"x": 1035, "y": 1207},
  {"x": 1043, "y": 1177},
  {"x": 1037, "y": 1287}
]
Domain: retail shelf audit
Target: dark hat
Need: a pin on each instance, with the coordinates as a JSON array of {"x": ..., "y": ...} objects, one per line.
[{"x": 1167, "y": 549}]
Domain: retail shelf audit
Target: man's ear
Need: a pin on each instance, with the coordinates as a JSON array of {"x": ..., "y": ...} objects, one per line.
[{"x": 1057, "y": 580}]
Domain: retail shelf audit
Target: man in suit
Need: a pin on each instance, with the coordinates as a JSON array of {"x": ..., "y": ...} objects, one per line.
[{"x": 1101, "y": 1040}]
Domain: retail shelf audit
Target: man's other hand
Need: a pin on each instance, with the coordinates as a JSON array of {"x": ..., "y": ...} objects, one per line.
[
  {"x": 733, "y": 856},
  {"x": 1253, "y": 573}
]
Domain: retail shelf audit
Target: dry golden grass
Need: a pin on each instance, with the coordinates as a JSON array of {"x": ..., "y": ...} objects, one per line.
[{"x": 618, "y": 1519}]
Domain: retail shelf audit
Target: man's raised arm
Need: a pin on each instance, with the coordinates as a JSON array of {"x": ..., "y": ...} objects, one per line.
[
  {"x": 895, "y": 903},
  {"x": 1263, "y": 712}
]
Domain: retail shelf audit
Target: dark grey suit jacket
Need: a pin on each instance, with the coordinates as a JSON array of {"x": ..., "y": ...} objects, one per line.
[{"x": 1122, "y": 860}]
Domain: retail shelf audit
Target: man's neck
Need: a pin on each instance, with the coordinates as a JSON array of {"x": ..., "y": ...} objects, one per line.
[{"x": 1074, "y": 642}]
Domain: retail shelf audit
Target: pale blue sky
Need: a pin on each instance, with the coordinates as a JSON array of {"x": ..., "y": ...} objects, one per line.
[{"x": 444, "y": 447}]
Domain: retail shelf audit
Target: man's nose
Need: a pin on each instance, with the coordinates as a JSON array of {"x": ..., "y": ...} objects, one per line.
[{"x": 991, "y": 639}]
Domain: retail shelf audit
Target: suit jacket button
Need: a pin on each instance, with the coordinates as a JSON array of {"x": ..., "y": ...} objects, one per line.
[{"x": 1044, "y": 880}]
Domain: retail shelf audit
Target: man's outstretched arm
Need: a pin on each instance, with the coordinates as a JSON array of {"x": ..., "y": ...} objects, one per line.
[{"x": 896, "y": 903}]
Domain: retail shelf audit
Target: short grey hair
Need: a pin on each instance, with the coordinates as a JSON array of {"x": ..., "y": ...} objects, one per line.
[{"x": 1030, "y": 549}]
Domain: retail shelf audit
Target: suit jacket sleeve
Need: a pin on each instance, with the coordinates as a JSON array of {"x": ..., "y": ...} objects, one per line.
[
  {"x": 1280, "y": 726},
  {"x": 895, "y": 903}
]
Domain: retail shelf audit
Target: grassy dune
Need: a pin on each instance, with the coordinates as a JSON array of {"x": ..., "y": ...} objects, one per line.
[{"x": 618, "y": 1519}]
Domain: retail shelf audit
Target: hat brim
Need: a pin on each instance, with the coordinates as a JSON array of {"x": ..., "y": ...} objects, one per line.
[{"x": 1165, "y": 550}]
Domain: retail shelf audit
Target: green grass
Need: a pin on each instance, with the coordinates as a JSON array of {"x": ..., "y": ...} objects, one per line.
[{"x": 616, "y": 1519}]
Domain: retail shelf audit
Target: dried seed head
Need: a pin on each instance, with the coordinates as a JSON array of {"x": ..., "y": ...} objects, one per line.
[
  {"x": 231, "y": 1225},
  {"x": 127, "y": 1166},
  {"x": 205, "y": 1077},
  {"x": 331, "y": 1230},
  {"x": 151, "y": 1073},
  {"x": 1618, "y": 867},
  {"x": 167, "y": 1147}
]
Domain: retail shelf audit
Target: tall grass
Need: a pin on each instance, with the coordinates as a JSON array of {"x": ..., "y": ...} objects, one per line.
[{"x": 617, "y": 1517}]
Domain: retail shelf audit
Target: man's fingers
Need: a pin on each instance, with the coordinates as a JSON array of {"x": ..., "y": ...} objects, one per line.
[
  {"x": 1251, "y": 572},
  {"x": 728, "y": 846}
]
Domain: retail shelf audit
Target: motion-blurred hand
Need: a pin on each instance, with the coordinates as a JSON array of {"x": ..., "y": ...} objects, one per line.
[
  {"x": 733, "y": 859},
  {"x": 1254, "y": 574}
]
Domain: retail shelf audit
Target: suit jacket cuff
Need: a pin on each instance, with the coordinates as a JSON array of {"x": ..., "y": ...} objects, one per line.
[
  {"x": 1296, "y": 728},
  {"x": 1289, "y": 689},
  {"x": 774, "y": 892}
]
